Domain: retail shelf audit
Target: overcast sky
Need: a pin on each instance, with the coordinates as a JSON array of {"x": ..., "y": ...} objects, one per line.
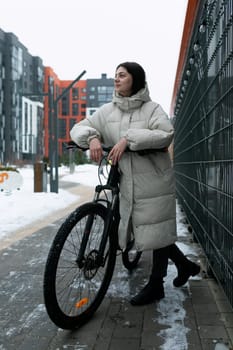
[{"x": 96, "y": 35}]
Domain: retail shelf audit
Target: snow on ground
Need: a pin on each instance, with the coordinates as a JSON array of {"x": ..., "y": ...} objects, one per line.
[
  {"x": 23, "y": 207},
  {"x": 20, "y": 208}
]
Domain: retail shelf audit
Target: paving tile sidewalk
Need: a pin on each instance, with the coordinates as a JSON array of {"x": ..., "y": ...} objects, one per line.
[
  {"x": 200, "y": 317},
  {"x": 207, "y": 324},
  {"x": 211, "y": 325},
  {"x": 208, "y": 321}
]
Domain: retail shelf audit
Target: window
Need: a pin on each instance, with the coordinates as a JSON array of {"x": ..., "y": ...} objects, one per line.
[
  {"x": 25, "y": 117},
  {"x": 83, "y": 105},
  {"x": 102, "y": 98},
  {"x": 72, "y": 123},
  {"x": 110, "y": 89},
  {"x": 30, "y": 121},
  {"x": 61, "y": 128},
  {"x": 102, "y": 89},
  {"x": 75, "y": 109},
  {"x": 75, "y": 93},
  {"x": 65, "y": 106}
]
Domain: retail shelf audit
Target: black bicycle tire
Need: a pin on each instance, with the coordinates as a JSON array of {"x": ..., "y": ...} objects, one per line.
[{"x": 53, "y": 309}]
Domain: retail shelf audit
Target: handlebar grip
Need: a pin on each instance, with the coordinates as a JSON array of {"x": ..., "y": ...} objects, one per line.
[{"x": 72, "y": 145}]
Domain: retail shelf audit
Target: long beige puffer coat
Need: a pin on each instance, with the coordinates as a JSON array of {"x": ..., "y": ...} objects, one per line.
[{"x": 147, "y": 189}]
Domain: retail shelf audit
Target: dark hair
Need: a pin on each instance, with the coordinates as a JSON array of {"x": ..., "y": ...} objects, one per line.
[{"x": 138, "y": 74}]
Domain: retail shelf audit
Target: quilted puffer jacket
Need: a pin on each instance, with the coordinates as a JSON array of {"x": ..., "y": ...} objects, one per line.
[{"x": 147, "y": 187}]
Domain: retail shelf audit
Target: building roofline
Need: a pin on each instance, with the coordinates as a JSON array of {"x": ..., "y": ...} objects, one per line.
[{"x": 191, "y": 13}]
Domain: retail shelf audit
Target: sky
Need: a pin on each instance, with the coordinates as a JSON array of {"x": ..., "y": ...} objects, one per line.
[{"x": 73, "y": 35}]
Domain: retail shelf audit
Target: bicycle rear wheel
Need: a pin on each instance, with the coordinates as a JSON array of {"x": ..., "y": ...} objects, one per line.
[
  {"x": 131, "y": 256},
  {"x": 74, "y": 289}
]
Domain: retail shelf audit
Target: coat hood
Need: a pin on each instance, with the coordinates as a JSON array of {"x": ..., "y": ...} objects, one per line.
[{"x": 132, "y": 102}]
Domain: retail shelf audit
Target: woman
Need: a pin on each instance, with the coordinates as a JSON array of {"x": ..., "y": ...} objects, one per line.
[{"x": 147, "y": 188}]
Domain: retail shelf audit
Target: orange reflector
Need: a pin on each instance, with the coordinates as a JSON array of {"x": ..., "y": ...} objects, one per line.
[{"x": 81, "y": 302}]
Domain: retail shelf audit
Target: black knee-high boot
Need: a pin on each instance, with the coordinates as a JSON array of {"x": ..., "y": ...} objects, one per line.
[
  {"x": 154, "y": 290},
  {"x": 185, "y": 267}
]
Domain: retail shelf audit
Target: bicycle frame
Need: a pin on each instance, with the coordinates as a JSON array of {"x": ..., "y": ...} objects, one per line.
[{"x": 113, "y": 217}]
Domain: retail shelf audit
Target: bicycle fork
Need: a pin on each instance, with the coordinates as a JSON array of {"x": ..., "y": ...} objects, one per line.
[{"x": 110, "y": 227}]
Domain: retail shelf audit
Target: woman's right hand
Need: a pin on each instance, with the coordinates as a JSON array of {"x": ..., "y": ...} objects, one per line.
[
  {"x": 117, "y": 151},
  {"x": 96, "y": 151}
]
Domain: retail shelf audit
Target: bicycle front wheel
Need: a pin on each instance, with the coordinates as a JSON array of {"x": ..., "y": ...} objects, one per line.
[{"x": 74, "y": 287}]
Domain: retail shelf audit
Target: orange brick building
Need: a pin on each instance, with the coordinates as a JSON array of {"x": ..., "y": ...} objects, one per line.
[{"x": 71, "y": 108}]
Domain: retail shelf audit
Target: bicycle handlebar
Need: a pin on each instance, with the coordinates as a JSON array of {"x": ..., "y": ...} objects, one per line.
[{"x": 73, "y": 145}]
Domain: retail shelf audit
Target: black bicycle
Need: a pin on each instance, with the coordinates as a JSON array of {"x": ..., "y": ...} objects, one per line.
[{"x": 82, "y": 257}]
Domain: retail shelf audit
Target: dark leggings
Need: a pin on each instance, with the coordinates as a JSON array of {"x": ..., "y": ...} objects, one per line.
[
  {"x": 161, "y": 256},
  {"x": 160, "y": 262}
]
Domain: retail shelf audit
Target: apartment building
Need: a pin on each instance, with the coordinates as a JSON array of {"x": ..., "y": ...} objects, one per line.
[
  {"x": 33, "y": 119},
  {"x": 99, "y": 91},
  {"x": 70, "y": 109},
  {"x": 21, "y": 74},
  {"x": 80, "y": 101}
]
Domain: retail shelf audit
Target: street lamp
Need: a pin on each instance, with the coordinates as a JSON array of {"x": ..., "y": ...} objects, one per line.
[
  {"x": 53, "y": 139},
  {"x": 53, "y": 129}
]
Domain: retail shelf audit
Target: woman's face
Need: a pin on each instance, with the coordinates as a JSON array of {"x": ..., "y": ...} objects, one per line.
[{"x": 123, "y": 82}]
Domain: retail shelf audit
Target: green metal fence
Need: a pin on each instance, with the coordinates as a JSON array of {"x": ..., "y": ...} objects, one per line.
[{"x": 203, "y": 145}]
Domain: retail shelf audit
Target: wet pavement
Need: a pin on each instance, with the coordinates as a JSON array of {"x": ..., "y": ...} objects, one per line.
[{"x": 194, "y": 317}]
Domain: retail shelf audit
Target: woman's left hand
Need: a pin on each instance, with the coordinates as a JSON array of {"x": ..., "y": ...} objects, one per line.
[{"x": 117, "y": 151}]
